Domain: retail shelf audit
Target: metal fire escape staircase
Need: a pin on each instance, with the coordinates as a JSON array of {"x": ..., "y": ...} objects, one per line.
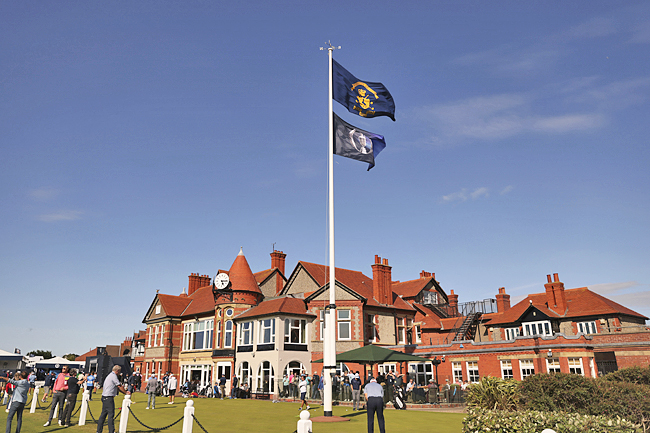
[{"x": 467, "y": 329}]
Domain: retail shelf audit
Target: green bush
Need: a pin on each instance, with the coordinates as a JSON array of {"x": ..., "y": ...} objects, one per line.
[
  {"x": 493, "y": 393},
  {"x": 497, "y": 421},
  {"x": 638, "y": 375},
  {"x": 559, "y": 392}
]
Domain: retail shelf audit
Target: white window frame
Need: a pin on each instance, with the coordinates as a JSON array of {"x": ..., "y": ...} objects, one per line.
[
  {"x": 217, "y": 342},
  {"x": 246, "y": 333},
  {"x": 423, "y": 372},
  {"x": 372, "y": 324},
  {"x": 575, "y": 366},
  {"x": 457, "y": 371},
  {"x": 344, "y": 323},
  {"x": 526, "y": 368},
  {"x": 266, "y": 325},
  {"x": 542, "y": 327},
  {"x": 162, "y": 335},
  {"x": 587, "y": 327},
  {"x": 227, "y": 340},
  {"x": 506, "y": 369},
  {"x": 158, "y": 309},
  {"x": 401, "y": 330},
  {"x": 553, "y": 365},
  {"x": 190, "y": 331},
  {"x": 295, "y": 325},
  {"x": 472, "y": 371},
  {"x": 322, "y": 324},
  {"x": 150, "y": 329},
  {"x": 512, "y": 333},
  {"x": 417, "y": 329}
]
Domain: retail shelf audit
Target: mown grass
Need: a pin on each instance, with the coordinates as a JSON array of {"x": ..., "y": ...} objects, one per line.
[{"x": 236, "y": 416}]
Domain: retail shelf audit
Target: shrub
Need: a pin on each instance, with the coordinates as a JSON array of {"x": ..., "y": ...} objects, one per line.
[
  {"x": 559, "y": 392},
  {"x": 638, "y": 375},
  {"x": 496, "y": 421},
  {"x": 493, "y": 393}
]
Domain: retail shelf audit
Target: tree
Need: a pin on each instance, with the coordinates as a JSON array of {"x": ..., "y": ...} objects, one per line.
[
  {"x": 46, "y": 354},
  {"x": 70, "y": 356}
]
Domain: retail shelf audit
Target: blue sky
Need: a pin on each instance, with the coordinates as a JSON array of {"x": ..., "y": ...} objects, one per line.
[{"x": 143, "y": 141}]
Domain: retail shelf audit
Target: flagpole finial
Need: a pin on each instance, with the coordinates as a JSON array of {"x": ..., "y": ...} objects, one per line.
[{"x": 330, "y": 47}]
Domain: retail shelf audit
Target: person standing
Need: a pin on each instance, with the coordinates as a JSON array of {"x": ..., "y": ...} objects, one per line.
[
  {"x": 355, "y": 384},
  {"x": 110, "y": 389},
  {"x": 302, "y": 386},
  {"x": 374, "y": 394},
  {"x": 222, "y": 385},
  {"x": 58, "y": 398},
  {"x": 71, "y": 396},
  {"x": 49, "y": 381},
  {"x": 18, "y": 400},
  {"x": 234, "y": 389},
  {"x": 152, "y": 385},
  {"x": 315, "y": 382},
  {"x": 90, "y": 384},
  {"x": 172, "y": 384}
]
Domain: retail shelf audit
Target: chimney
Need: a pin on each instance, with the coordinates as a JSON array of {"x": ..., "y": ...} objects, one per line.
[
  {"x": 193, "y": 284},
  {"x": 381, "y": 281},
  {"x": 503, "y": 300},
  {"x": 555, "y": 297},
  {"x": 453, "y": 302},
  {"x": 277, "y": 260}
]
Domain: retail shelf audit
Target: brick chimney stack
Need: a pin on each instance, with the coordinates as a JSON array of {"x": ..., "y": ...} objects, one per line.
[
  {"x": 453, "y": 301},
  {"x": 503, "y": 300},
  {"x": 555, "y": 296},
  {"x": 277, "y": 260},
  {"x": 193, "y": 284},
  {"x": 381, "y": 281}
]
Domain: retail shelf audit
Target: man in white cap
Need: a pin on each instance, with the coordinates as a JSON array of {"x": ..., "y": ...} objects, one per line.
[
  {"x": 374, "y": 394},
  {"x": 172, "y": 384}
]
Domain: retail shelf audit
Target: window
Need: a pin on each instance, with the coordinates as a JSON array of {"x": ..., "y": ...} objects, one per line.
[
  {"x": 245, "y": 334},
  {"x": 472, "y": 371},
  {"x": 198, "y": 335},
  {"x": 553, "y": 365},
  {"x": 155, "y": 336},
  {"x": 423, "y": 372},
  {"x": 267, "y": 331},
  {"x": 418, "y": 333},
  {"x": 322, "y": 324},
  {"x": 527, "y": 367},
  {"x": 537, "y": 328},
  {"x": 575, "y": 366},
  {"x": 228, "y": 334},
  {"x": 401, "y": 331},
  {"x": 217, "y": 342},
  {"x": 162, "y": 335},
  {"x": 294, "y": 331},
  {"x": 371, "y": 329},
  {"x": 587, "y": 327},
  {"x": 512, "y": 333},
  {"x": 344, "y": 324},
  {"x": 506, "y": 370},
  {"x": 157, "y": 309},
  {"x": 265, "y": 378},
  {"x": 244, "y": 373},
  {"x": 409, "y": 331},
  {"x": 457, "y": 371}
]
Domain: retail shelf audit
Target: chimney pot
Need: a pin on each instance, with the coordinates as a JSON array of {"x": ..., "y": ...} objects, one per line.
[
  {"x": 556, "y": 278},
  {"x": 548, "y": 278}
]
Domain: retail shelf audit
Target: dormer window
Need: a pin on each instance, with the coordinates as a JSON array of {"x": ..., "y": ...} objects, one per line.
[
  {"x": 512, "y": 333},
  {"x": 158, "y": 309},
  {"x": 537, "y": 328}
]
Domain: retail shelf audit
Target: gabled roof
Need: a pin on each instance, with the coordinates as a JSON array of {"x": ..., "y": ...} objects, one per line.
[
  {"x": 355, "y": 281},
  {"x": 202, "y": 301},
  {"x": 273, "y": 307},
  {"x": 581, "y": 302},
  {"x": 262, "y": 276},
  {"x": 429, "y": 318},
  {"x": 241, "y": 276}
]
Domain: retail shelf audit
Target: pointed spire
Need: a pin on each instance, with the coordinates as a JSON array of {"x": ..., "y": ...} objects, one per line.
[
  {"x": 241, "y": 251},
  {"x": 241, "y": 276}
]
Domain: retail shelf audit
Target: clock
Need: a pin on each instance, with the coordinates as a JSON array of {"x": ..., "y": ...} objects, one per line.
[{"x": 221, "y": 281}]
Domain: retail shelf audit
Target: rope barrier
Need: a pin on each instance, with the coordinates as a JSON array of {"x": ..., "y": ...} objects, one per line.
[
  {"x": 91, "y": 414},
  {"x": 156, "y": 428},
  {"x": 197, "y": 421},
  {"x": 43, "y": 407}
]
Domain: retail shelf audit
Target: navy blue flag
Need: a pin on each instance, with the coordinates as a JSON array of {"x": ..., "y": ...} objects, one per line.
[
  {"x": 355, "y": 143},
  {"x": 364, "y": 98}
]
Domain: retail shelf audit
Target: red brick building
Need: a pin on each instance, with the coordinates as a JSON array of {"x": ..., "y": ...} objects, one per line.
[{"x": 260, "y": 325}]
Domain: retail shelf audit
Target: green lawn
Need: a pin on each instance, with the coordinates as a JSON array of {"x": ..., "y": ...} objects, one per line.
[{"x": 236, "y": 416}]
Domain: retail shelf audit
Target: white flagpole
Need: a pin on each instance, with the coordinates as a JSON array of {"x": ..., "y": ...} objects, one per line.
[{"x": 329, "y": 339}]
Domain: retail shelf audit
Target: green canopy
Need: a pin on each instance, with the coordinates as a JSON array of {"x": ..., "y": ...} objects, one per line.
[{"x": 372, "y": 354}]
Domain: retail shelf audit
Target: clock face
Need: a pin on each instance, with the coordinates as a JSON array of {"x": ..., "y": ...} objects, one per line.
[{"x": 221, "y": 281}]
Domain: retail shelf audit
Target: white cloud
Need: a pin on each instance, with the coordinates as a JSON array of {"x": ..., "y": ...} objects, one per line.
[
  {"x": 616, "y": 95},
  {"x": 506, "y": 190},
  {"x": 594, "y": 28},
  {"x": 63, "y": 215},
  {"x": 611, "y": 288},
  {"x": 44, "y": 194},
  {"x": 568, "y": 123},
  {"x": 464, "y": 195}
]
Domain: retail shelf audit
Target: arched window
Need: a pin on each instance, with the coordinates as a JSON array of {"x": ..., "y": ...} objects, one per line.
[
  {"x": 228, "y": 334},
  {"x": 244, "y": 373},
  {"x": 265, "y": 378},
  {"x": 294, "y": 367}
]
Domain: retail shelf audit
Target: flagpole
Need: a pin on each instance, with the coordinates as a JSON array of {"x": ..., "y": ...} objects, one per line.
[{"x": 329, "y": 339}]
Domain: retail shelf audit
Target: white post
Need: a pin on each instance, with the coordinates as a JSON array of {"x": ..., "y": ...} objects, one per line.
[
  {"x": 188, "y": 416},
  {"x": 84, "y": 407},
  {"x": 56, "y": 409},
  {"x": 34, "y": 400},
  {"x": 304, "y": 425},
  {"x": 4, "y": 398},
  {"x": 124, "y": 416}
]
